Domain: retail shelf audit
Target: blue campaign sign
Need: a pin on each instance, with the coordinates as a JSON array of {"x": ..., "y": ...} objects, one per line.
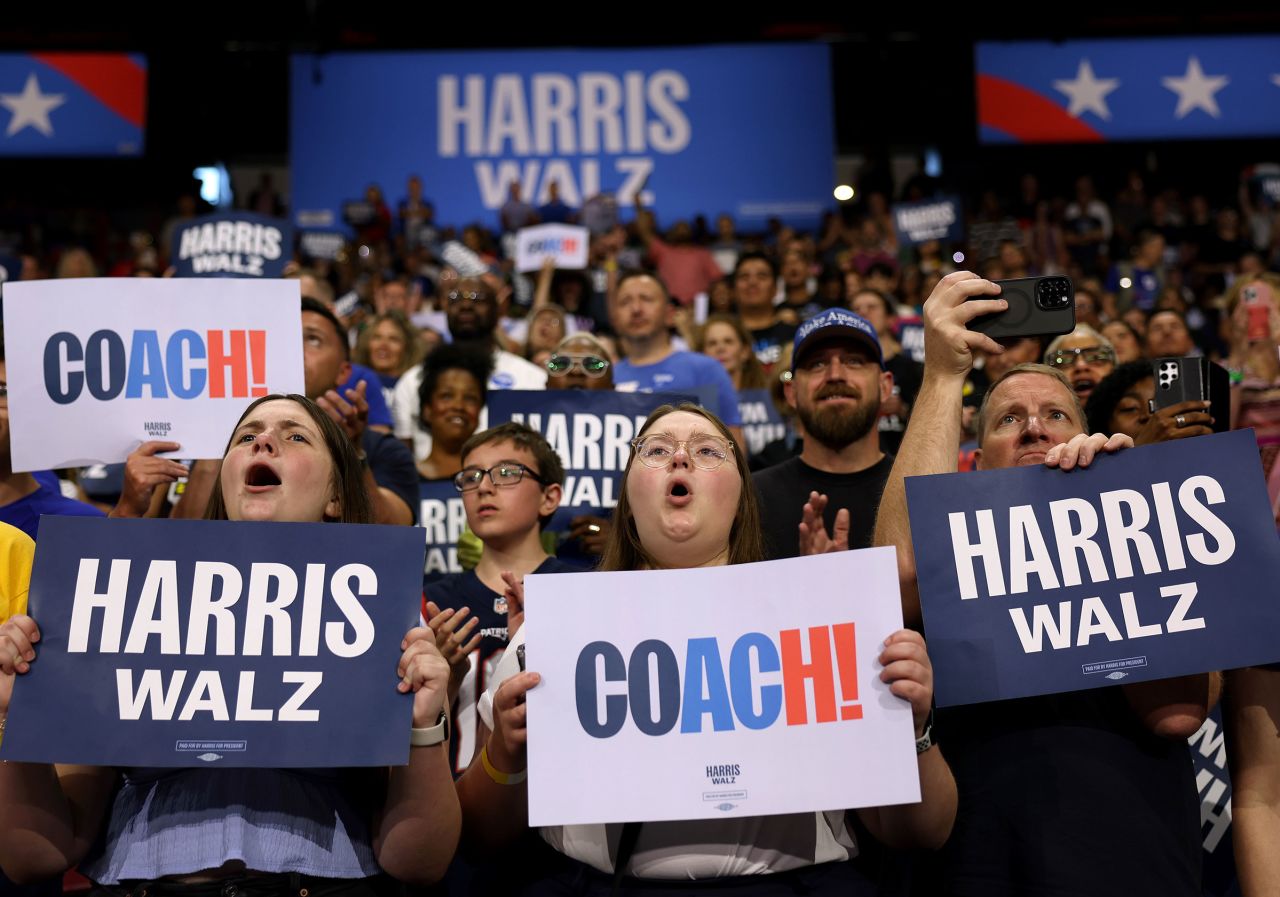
[
  {"x": 930, "y": 219},
  {"x": 233, "y": 244},
  {"x": 1142, "y": 89},
  {"x": 761, "y": 421},
  {"x": 674, "y": 121},
  {"x": 1213, "y": 782},
  {"x": 590, "y": 431},
  {"x": 72, "y": 104},
  {"x": 1155, "y": 562},
  {"x": 442, "y": 519},
  {"x": 194, "y": 642}
]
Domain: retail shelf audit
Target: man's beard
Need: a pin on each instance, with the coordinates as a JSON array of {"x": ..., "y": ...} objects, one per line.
[{"x": 838, "y": 426}]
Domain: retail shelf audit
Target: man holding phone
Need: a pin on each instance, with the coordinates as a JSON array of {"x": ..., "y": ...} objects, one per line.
[{"x": 1083, "y": 794}]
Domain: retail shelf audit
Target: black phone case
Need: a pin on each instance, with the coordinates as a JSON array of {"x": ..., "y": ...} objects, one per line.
[
  {"x": 1190, "y": 379},
  {"x": 1024, "y": 317}
]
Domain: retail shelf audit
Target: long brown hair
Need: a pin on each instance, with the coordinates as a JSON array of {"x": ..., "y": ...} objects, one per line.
[
  {"x": 623, "y": 550},
  {"x": 348, "y": 478}
]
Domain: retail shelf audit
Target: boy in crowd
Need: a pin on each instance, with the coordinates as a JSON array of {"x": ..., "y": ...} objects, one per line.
[{"x": 511, "y": 483}]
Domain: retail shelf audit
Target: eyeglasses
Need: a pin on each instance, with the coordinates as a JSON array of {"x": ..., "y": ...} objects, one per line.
[
  {"x": 563, "y": 362},
  {"x": 456, "y": 296},
  {"x": 469, "y": 478},
  {"x": 1094, "y": 355},
  {"x": 704, "y": 450}
]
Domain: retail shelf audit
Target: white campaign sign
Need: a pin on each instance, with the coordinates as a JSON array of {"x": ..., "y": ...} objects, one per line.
[
  {"x": 729, "y": 691},
  {"x": 97, "y": 366},
  {"x": 566, "y": 243}
]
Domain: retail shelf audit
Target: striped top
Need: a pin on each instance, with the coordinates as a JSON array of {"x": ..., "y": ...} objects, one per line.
[
  {"x": 696, "y": 848},
  {"x": 181, "y": 821}
]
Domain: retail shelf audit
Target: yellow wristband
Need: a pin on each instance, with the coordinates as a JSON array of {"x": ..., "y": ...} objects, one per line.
[{"x": 501, "y": 778}]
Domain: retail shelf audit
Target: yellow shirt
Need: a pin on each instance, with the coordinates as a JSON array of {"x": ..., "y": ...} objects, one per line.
[{"x": 16, "y": 554}]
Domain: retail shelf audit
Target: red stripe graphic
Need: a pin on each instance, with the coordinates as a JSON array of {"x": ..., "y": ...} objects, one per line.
[
  {"x": 1026, "y": 115},
  {"x": 113, "y": 79}
]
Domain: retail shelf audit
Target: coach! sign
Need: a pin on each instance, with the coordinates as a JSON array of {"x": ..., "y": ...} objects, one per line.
[
  {"x": 696, "y": 682},
  {"x": 95, "y": 366}
]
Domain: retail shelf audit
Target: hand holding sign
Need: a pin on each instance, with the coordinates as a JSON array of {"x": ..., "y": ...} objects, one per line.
[
  {"x": 425, "y": 672},
  {"x": 814, "y": 538},
  {"x": 18, "y": 635},
  {"x": 143, "y": 472},
  {"x": 909, "y": 673},
  {"x": 507, "y": 747},
  {"x": 1082, "y": 448}
]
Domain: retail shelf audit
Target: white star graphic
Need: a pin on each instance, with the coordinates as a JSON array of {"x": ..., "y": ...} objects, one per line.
[
  {"x": 1087, "y": 93},
  {"x": 1196, "y": 90},
  {"x": 31, "y": 108}
]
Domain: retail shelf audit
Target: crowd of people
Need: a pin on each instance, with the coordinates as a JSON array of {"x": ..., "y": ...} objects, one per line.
[{"x": 861, "y": 341}]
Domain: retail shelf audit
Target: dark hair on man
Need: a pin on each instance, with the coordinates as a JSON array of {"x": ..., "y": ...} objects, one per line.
[
  {"x": 884, "y": 269},
  {"x": 450, "y": 357},
  {"x": 754, "y": 256},
  {"x": 1110, "y": 390},
  {"x": 317, "y": 307}
]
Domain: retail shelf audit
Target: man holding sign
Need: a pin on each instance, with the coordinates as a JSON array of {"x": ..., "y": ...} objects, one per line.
[{"x": 1085, "y": 793}]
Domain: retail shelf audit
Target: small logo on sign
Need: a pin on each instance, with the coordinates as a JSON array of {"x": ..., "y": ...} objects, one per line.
[
  {"x": 725, "y": 808},
  {"x": 1116, "y": 675},
  {"x": 208, "y": 758}
]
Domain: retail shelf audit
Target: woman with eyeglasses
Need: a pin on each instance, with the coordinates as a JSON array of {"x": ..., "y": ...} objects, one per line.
[
  {"x": 688, "y": 501},
  {"x": 1085, "y": 356},
  {"x": 580, "y": 361}
]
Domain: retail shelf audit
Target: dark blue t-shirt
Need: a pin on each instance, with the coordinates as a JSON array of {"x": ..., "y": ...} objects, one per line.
[{"x": 459, "y": 590}]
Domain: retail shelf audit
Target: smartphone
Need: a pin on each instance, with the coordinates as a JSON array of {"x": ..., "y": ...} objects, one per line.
[
  {"x": 1257, "y": 299},
  {"x": 1038, "y": 306},
  {"x": 1190, "y": 379}
]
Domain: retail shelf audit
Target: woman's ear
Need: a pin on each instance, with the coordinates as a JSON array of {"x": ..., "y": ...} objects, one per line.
[{"x": 333, "y": 509}]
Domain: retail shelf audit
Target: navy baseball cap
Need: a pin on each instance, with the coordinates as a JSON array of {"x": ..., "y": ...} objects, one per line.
[{"x": 836, "y": 323}]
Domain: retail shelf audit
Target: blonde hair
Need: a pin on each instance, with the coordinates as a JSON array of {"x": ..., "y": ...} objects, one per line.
[{"x": 1031, "y": 368}]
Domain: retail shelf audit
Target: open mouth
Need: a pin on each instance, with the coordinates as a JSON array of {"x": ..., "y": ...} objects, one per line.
[
  {"x": 261, "y": 476},
  {"x": 1084, "y": 385},
  {"x": 679, "y": 493}
]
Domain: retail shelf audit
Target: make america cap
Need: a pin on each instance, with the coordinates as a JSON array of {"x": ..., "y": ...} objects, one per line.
[{"x": 836, "y": 323}]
